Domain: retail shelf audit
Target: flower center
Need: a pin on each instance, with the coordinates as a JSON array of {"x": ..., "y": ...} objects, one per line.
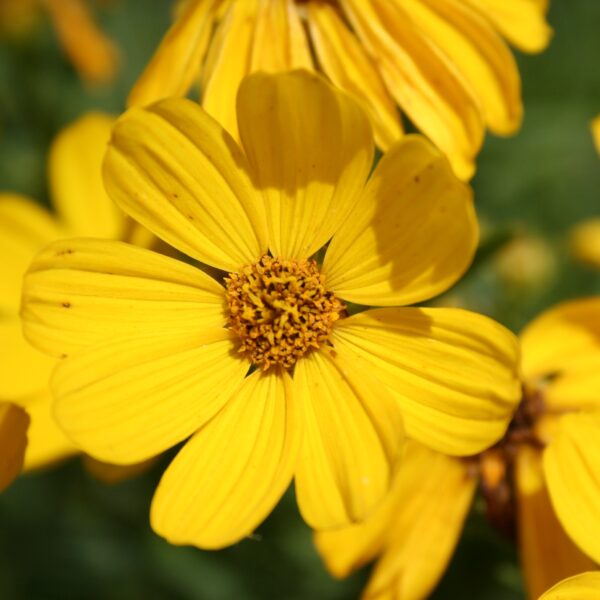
[
  {"x": 497, "y": 465},
  {"x": 281, "y": 310}
]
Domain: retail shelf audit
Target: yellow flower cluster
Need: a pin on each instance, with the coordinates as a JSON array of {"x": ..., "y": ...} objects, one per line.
[{"x": 270, "y": 334}]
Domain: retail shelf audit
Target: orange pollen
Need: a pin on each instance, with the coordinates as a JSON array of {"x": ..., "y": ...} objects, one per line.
[{"x": 281, "y": 310}]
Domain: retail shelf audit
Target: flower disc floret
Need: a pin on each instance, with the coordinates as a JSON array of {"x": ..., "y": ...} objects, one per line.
[
  {"x": 281, "y": 310},
  {"x": 497, "y": 464}
]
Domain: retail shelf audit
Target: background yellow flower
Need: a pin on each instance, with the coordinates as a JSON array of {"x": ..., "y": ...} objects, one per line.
[
  {"x": 82, "y": 208},
  {"x": 444, "y": 63},
  {"x": 541, "y": 483}
]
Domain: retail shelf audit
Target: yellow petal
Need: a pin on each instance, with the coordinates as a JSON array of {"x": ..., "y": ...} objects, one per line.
[
  {"x": 412, "y": 234},
  {"x": 253, "y": 36},
  {"x": 13, "y": 440},
  {"x": 348, "y": 548},
  {"x": 576, "y": 389},
  {"x": 436, "y": 498},
  {"x": 25, "y": 228},
  {"x": 23, "y": 369},
  {"x": 547, "y": 553},
  {"x": 419, "y": 79},
  {"x": 130, "y": 399},
  {"x": 352, "y": 435},
  {"x": 344, "y": 60},
  {"x": 572, "y": 469},
  {"x": 585, "y": 240},
  {"x": 561, "y": 338},
  {"x": 91, "y": 52},
  {"x": 175, "y": 65},
  {"x": 80, "y": 292},
  {"x": 595, "y": 125},
  {"x": 478, "y": 53},
  {"x": 176, "y": 171},
  {"x": 75, "y": 172},
  {"x": 228, "y": 62},
  {"x": 453, "y": 372},
  {"x": 47, "y": 444},
  {"x": 521, "y": 22},
  {"x": 416, "y": 528},
  {"x": 581, "y": 587},
  {"x": 279, "y": 42},
  {"x": 230, "y": 475},
  {"x": 561, "y": 353},
  {"x": 311, "y": 148}
]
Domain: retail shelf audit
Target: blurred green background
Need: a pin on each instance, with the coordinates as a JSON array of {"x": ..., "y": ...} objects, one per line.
[{"x": 65, "y": 535}]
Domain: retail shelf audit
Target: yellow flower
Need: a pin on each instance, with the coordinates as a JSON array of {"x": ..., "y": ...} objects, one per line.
[
  {"x": 159, "y": 351},
  {"x": 445, "y": 64},
  {"x": 525, "y": 261},
  {"x": 82, "y": 208},
  {"x": 541, "y": 482},
  {"x": 581, "y": 587},
  {"x": 91, "y": 52},
  {"x": 585, "y": 241}
]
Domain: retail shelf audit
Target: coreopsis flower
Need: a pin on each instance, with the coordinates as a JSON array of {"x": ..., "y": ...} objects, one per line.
[
  {"x": 91, "y": 52},
  {"x": 261, "y": 369},
  {"x": 82, "y": 207},
  {"x": 585, "y": 241},
  {"x": 541, "y": 482},
  {"x": 444, "y": 63},
  {"x": 581, "y": 587},
  {"x": 525, "y": 261}
]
